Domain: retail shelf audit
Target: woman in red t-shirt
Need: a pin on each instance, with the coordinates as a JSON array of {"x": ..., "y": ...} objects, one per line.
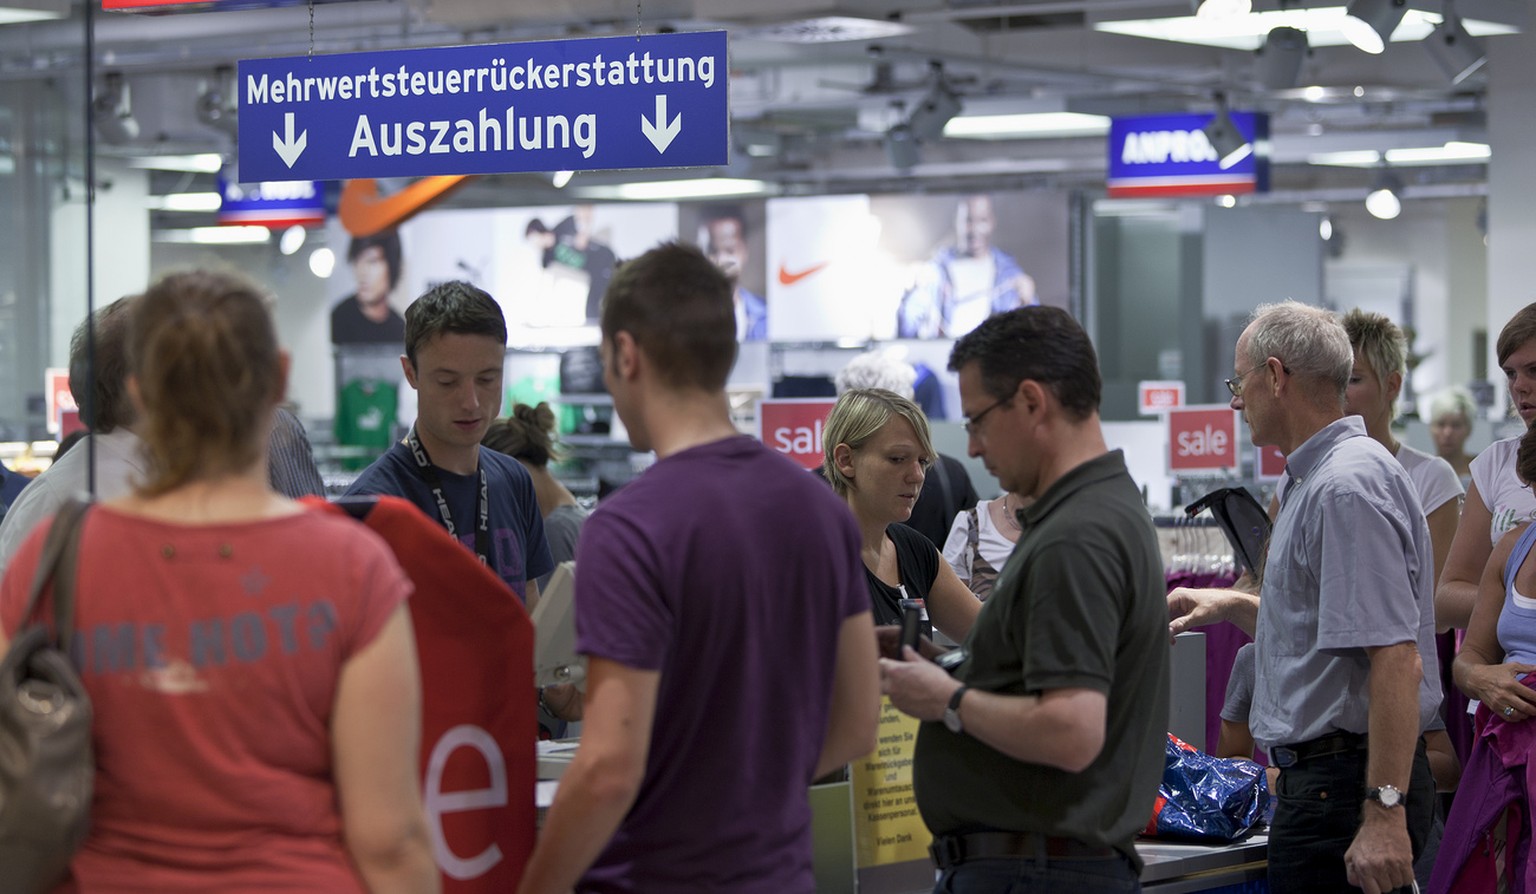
[{"x": 250, "y": 663}]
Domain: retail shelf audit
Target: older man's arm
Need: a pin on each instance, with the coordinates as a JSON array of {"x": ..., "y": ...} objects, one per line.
[{"x": 1381, "y": 857}]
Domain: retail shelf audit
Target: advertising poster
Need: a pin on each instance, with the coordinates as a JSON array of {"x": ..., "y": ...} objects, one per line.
[
  {"x": 734, "y": 237},
  {"x": 826, "y": 278},
  {"x": 960, "y": 258},
  {"x": 553, "y": 263}
]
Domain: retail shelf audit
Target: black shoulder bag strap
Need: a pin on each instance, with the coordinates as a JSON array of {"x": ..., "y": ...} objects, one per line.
[{"x": 61, "y": 549}]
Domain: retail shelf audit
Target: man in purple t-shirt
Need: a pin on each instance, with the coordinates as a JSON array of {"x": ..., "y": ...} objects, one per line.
[{"x": 722, "y": 609}]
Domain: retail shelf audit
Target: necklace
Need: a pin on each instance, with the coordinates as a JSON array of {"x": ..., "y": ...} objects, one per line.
[{"x": 1010, "y": 514}]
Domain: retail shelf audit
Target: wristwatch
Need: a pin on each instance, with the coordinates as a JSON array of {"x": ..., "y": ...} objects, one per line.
[
  {"x": 952, "y": 713},
  {"x": 1387, "y": 796}
]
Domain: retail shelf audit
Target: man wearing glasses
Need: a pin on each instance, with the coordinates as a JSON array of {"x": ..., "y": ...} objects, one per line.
[
  {"x": 1344, "y": 622},
  {"x": 1039, "y": 760}
]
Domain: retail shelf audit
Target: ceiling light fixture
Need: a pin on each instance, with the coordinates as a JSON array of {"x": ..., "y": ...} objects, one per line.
[
  {"x": 1453, "y": 152},
  {"x": 1384, "y": 201},
  {"x": 1278, "y": 62},
  {"x": 1230, "y": 144},
  {"x": 560, "y": 178},
  {"x": 14, "y": 12},
  {"x": 112, "y": 111},
  {"x": 1027, "y": 125},
  {"x": 185, "y": 201},
  {"x": 1224, "y": 9},
  {"x": 1370, "y": 23},
  {"x": 292, "y": 239},
  {"x": 671, "y": 190},
  {"x": 199, "y": 163},
  {"x": 1324, "y": 26},
  {"x": 1458, "y": 53},
  {"x": 216, "y": 235},
  {"x": 322, "y": 262}
]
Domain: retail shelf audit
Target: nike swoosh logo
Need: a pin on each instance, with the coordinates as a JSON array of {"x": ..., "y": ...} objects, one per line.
[
  {"x": 788, "y": 278},
  {"x": 364, "y": 212}
]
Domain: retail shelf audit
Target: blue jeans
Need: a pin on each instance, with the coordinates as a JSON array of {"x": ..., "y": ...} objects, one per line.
[
  {"x": 1041, "y": 875},
  {"x": 1318, "y": 814}
]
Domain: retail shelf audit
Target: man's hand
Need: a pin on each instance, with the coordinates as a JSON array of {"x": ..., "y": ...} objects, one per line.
[
  {"x": 889, "y": 636},
  {"x": 916, "y": 685},
  {"x": 1188, "y": 608},
  {"x": 1381, "y": 857}
]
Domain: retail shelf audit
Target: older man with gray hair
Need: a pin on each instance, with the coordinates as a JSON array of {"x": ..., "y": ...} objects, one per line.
[{"x": 1344, "y": 622}]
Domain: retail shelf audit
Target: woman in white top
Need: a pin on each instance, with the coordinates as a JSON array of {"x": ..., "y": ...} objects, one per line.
[
  {"x": 1381, "y": 359},
  {"x": 1496, "y": 501},
  {"x": 981, "y": 540}
]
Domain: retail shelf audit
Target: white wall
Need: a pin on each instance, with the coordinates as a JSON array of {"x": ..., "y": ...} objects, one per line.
[
  {"x": 1438, "y": 243},
  {"x": 121, "y": 246},
  {"x": 303, "y": 324}
]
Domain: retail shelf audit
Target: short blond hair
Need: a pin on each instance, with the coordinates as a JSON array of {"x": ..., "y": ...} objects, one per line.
[
  {"x": 1379, "y": 341},
  {"x": 856, "y": 417}
]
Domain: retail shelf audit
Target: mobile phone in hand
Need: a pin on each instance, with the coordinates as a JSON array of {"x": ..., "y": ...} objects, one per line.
[{"x": 911, "y": 626}]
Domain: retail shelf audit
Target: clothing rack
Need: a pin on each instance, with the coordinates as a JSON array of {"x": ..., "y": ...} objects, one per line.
[{"x": 1193, "y": 546}]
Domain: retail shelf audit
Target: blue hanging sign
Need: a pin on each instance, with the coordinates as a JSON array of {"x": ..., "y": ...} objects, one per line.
[
  {"x": 1170, "y": 155},
  {"x": 271, "y": 204},
  {"x": 651, "y": 101}
]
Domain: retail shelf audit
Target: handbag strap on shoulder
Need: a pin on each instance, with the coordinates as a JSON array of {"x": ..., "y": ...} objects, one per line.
[{"x": 61, "y": 550}]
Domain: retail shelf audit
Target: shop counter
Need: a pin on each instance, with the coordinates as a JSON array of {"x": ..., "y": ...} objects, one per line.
[{"x": 1172, "y": 868}]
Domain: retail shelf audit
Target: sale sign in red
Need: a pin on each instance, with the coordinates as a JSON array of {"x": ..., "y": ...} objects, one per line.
[
  {"x": 1154, "y": 397},
  {"x": 1270, "y": 463},
  {"x": 792, "y": 426},
  {"x": 1203, "y": 439}
]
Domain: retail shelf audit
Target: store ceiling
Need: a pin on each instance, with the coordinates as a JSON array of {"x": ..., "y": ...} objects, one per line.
[{"x": 810, "y": 107}]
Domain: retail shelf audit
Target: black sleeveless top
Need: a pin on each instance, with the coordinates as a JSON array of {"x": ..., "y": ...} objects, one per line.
[{"x": 917, "y": 563}]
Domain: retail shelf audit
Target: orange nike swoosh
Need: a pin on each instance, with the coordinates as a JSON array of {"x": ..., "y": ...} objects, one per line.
[
  {"x": 787, "y": 278},
  {"x": 364, "y": 212}
]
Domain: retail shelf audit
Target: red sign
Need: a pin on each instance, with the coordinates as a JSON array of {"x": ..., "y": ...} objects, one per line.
[
  {"x": 1202, "y": 439},
  {"x": 1270, "y": 462},
  {"x": 1159, "y": 397},
  {"x": 793, "y": 427},
  {"x": 57, "y": 397}
]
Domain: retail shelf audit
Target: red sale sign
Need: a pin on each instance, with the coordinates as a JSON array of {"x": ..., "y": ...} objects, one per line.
[
  {"x": 57, "y": 398},
  {"x": 793, "y": 426},
  {"x": 1270, "y": 463},
  {"x": 1202, "y": 439},
  {"x": 1159, "y": 397}
]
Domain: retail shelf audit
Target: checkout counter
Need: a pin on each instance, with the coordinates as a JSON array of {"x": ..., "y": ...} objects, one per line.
[{"x": 1170, "y": 867}]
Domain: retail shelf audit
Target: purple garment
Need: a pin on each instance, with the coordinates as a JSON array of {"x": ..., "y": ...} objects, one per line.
[
  {"x": 729, "y": 570},
  {"x": 1499, "y": 773}
]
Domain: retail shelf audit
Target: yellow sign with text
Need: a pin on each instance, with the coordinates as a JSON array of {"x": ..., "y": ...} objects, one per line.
[{"x": 887, "y": 827}]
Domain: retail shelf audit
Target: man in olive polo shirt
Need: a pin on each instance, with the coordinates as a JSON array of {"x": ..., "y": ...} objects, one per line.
[{"x": 1039, "y": 759}]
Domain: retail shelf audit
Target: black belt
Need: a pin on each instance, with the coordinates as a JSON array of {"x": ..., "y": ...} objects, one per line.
[
  {"x": 1284, "y": 756},
  {"x": 949, "y": 850}
]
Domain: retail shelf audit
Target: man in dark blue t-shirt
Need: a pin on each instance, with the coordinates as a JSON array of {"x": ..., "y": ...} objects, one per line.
[{"x": 455, "y": 345}]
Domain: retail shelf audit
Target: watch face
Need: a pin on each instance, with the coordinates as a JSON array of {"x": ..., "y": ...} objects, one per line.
[
  {"x": 1388, "y": 796},
  {"x": 952, "y": 721}
]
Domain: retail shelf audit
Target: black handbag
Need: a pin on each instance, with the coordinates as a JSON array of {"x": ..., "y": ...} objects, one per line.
[
  {"x": 47, "y": 768},
  {"x": 1244, "y": 522}
]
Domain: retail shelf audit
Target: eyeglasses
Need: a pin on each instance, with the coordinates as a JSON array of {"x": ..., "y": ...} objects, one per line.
[
  {"x": 971, "y": 425},
  {"x": 1235, "y": 384}
]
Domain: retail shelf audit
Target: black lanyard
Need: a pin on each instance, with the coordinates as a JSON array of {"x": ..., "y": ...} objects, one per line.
[{"x": 429, "y": 475}]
